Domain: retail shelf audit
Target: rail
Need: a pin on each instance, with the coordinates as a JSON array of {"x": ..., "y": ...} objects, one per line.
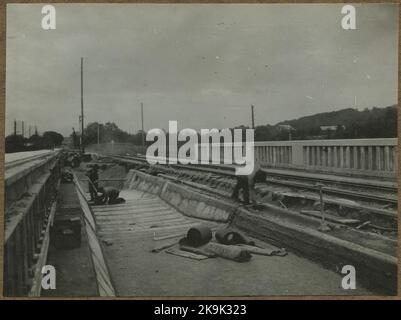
[
  {"x": 364, "y": 157},
  {"x": 30, "y": 196}
]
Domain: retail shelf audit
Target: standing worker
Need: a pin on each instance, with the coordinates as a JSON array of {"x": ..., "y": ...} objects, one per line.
[
  {"x": 247, "y": 184},
  {"x": 93, "y": 176}
]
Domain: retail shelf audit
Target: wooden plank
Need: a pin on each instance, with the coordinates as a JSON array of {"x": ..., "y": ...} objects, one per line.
[
  {"x": 147, "y": 213},
  {"x": 135, "y": 218},
  {"x": 156, "y": 233},
  {"x": 135, "y": 229},
  {"x": 131, "y": 210},
  {"x": 127, "y": 207},
  {"x": 142, "y": 223},
  {"x": 127, "y": 203},
  {"x": 163, "y": 246},
  {"x": 186, "y": 254},
  {"x": 151, "y": 224}
]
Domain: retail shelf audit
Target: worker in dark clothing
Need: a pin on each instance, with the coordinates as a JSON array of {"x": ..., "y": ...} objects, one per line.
[
  {"x": 93, "y": 176},
  {"x": 242, "y": 184},
  {"x": 109, "y": 195},
  {"x": 247, "y": 184}
]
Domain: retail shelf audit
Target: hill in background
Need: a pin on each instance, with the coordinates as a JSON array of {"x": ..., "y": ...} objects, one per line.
[{"x": 342, "y": 124}]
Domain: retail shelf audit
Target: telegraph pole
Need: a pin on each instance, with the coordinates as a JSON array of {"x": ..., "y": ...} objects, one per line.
[
  {"x": 15, "y": 127},
  {"x": 143, "y": 132},
  {"x": 23, "y": 129},
  {"x": 82, "y": 106},
  {"x": 253, "y": 117}
]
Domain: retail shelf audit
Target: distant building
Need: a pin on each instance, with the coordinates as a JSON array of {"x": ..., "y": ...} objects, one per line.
[
  {"x": 285, "y": 127},
  {"x": 331, "y": 128}
]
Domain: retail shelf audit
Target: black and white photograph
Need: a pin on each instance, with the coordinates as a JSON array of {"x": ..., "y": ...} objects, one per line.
[{"x": 201, "y": 150}]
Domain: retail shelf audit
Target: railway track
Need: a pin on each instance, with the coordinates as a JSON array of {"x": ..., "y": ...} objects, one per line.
[
  {"x": 304, "y": 200},
  {"x": 368, "y": 197},
  {"x": 379, "y": 209},
  {"x": 381, "y": 192}
]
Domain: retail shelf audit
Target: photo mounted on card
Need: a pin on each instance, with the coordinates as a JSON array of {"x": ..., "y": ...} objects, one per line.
[{"x": 201, "y": 150}]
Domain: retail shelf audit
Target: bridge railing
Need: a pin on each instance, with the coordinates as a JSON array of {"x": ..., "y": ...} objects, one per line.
[
  {"x": 366, "y": 157},
  {"x": 28, "y": 210}
]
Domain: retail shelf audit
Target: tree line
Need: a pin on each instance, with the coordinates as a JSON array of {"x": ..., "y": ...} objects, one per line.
[
  {"x": 106, "y": 133},
  {"x": 350, "y": 124},
  {"x": 18, "y": 143}
]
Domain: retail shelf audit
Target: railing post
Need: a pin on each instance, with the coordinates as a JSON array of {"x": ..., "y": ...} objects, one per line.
[
  {"x": 387, "y": 158},
  {"x": 370, "y": 158}
]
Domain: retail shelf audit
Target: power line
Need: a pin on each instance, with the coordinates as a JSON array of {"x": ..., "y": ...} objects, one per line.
[
  {"x": 143, "y": 131},
  {"x": 253, "y": 117},
  {"x": 82, "y": 106}
]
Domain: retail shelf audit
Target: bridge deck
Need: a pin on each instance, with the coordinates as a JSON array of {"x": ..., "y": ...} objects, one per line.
[
  {"x": 10, "y": 157},
  {"x": 128, "y": 230},
  {"x": 19, "y": 162}
]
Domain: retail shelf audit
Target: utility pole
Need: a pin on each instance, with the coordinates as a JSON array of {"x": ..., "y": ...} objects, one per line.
[
  {"x": 143, "y": 132},
  {"x": 15, "y": 127},
  {"x": 29, "y": 131},
  {"x": 23, "y": 129},
  {"x": 36, "y": 130},
  {"x": 82, "y": 106},
  {"x": 253, "y": 117},
  {"x": 98, "y": 139}
]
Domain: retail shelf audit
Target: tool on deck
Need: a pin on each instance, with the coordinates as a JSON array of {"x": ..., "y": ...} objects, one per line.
[{"x": 323, "y": 226}]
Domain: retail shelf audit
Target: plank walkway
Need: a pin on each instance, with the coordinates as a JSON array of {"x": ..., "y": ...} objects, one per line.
[{"x": 142, "y": 216}]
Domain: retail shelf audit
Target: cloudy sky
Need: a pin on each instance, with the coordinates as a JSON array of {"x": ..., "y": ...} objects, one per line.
[{"x": 202, "y": 65}]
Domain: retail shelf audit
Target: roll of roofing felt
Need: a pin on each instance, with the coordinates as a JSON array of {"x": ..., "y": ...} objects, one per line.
[
  {"x": 198, "y": 236},
  {"x": 228, "y": 236},
  {"x": 228, "y": 252}
]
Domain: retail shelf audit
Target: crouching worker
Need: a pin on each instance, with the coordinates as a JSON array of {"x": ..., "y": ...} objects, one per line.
[
  {"x": 246, "y": 183},
  {"x": 109, "y": 195}
]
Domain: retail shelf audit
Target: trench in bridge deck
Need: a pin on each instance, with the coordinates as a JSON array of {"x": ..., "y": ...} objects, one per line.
[{"x": 127, "y": 233}]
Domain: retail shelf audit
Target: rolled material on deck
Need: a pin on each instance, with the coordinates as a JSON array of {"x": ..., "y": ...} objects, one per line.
[
  {"x": 198, "y": 236},
  {"x": 229, "y": 236},
  {"x": 264, "y": 251},
  {"x": 201, "y": 251},
  {"x": 228, "y": 252}
]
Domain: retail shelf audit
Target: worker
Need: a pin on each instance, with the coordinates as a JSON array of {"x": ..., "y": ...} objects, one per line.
[
  {"x": 93, "y": 176},
  {"x": 247, "y": 184},
  {"x": 109, "y": 195}
]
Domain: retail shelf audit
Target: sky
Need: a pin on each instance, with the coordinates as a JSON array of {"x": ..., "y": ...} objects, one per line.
[{"x": 202, "y": 65}]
